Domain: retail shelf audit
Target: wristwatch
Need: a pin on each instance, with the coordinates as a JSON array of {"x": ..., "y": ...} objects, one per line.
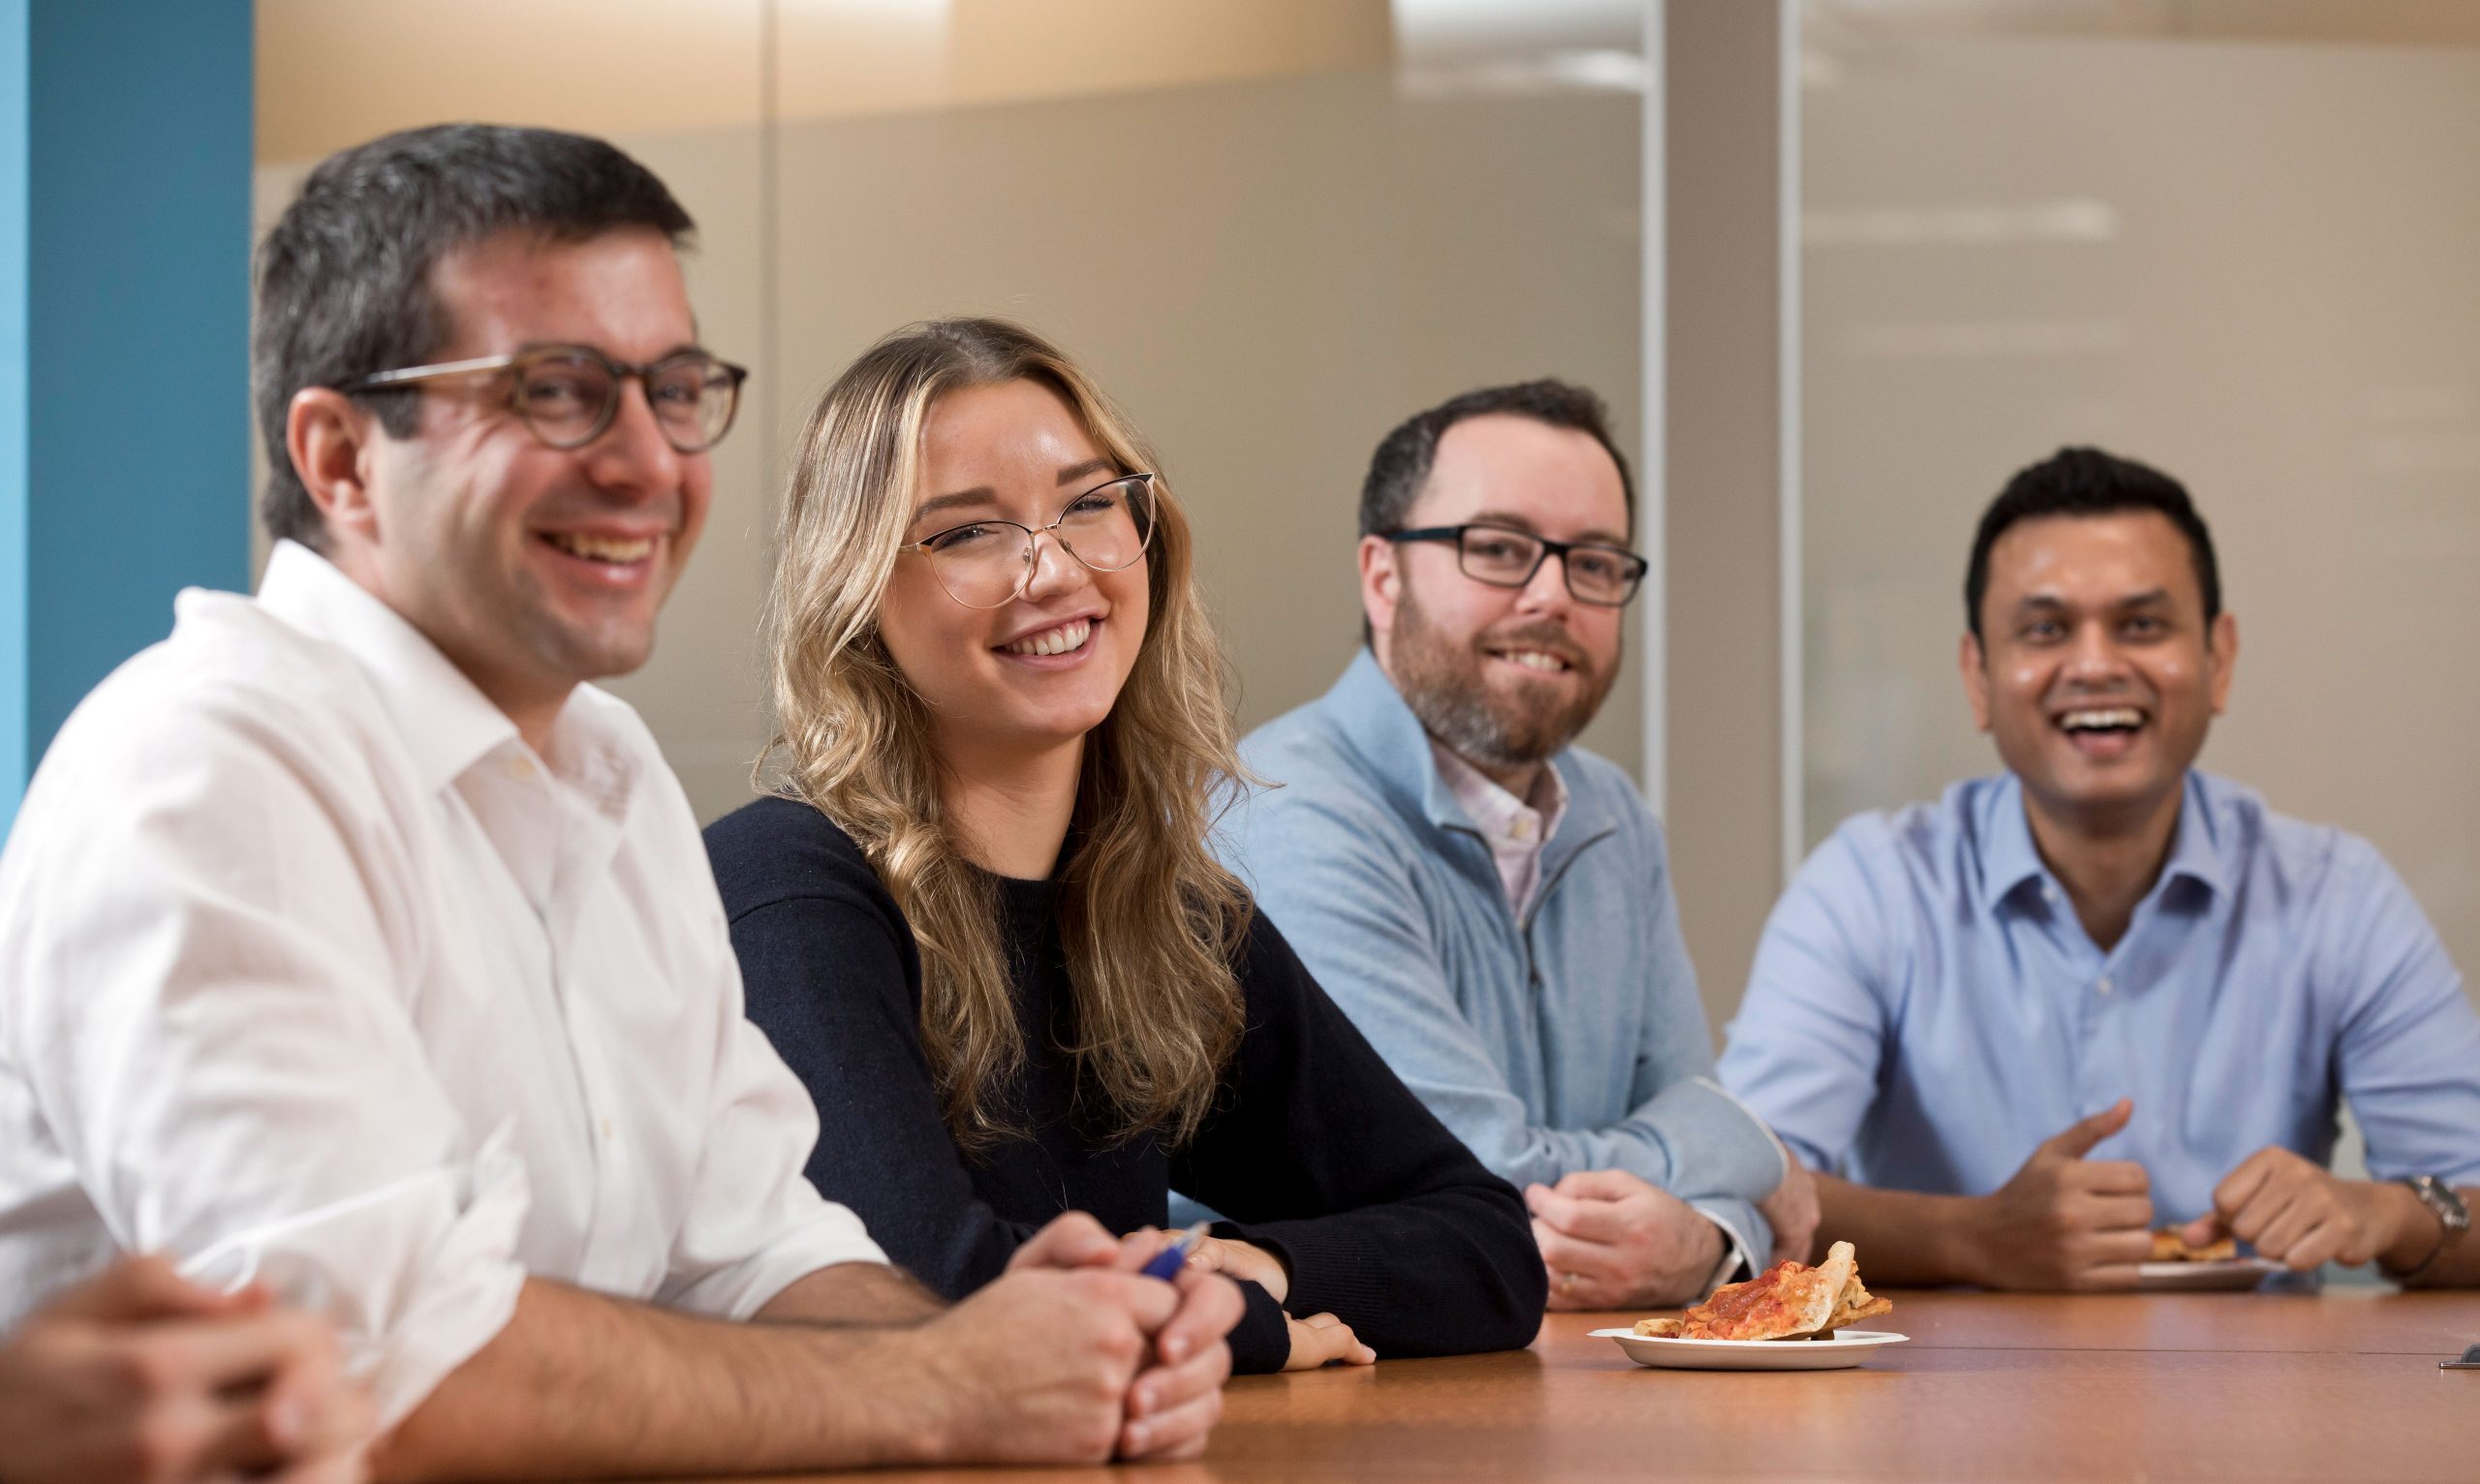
[{"x": 2451, "y": 1213}]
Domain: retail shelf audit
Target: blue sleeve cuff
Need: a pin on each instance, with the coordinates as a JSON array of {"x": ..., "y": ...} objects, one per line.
[{"x": 1717, "y": 1146}]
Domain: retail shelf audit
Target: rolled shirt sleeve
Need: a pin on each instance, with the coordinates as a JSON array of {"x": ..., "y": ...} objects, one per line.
[
  {"x": 203, "y": 1001},
  {"x": 755, "y": 1224},
  {"x": 2409, "y": 1040}
]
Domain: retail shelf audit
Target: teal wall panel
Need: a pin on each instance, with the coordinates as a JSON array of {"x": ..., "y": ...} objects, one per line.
[{"x": 124, "y": 454}]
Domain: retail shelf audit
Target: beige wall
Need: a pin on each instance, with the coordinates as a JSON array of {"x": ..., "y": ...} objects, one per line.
[
  {"x": 335, "y": 71},
  {"x": 1268, "y": 265},
  {"x": 1268, "y": 275}
]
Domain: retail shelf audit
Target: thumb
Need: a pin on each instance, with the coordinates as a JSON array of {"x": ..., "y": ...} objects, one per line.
[
  {"x": 1598, "y": 1185},
  {"x": 2079, "y": 1136},
  {"x": 1072, "y": 1240}
]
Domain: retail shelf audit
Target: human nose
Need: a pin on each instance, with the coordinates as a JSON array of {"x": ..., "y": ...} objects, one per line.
[
  {"x": 1053, "y": 569},
  {"x": 2093, "y": 656},
  {"x": 633, "y": 455},
  {"x": 1546, "y": 593}
]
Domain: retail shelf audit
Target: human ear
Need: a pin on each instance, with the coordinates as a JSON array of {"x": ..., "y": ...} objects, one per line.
[
  {"x": 2222, "y": 653},
  {"x": 327, "y": 436},
  {"x": 1975, "y": 665},
  {"x": 1381, "y": 584}
]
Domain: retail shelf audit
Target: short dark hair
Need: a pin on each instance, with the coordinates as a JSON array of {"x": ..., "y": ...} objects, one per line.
[
  {"x": 2089, "y": 481},
  {"x": 344, "y": 278},
  {"x": 1401, "y": 466}
]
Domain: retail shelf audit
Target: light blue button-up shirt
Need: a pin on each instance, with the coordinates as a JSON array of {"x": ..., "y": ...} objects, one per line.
[{"x": 1926, "y": 1007}]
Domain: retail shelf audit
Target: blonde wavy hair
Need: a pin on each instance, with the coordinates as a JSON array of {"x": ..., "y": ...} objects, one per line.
[{"x": 1151, "y": 922}]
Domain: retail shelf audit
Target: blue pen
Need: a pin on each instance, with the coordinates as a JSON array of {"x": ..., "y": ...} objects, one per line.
[{"x": 1166, "y": 1263}]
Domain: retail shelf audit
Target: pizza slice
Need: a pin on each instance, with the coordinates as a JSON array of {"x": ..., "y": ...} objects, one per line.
[
  {"x": 2168, "y": 1246},
  {"x": 1788, "y": 1301}
]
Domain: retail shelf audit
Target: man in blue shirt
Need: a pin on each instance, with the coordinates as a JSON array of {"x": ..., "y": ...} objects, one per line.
[
  {"x": 1491, "y": 905},
  {"x": 2103, "y": 993}
]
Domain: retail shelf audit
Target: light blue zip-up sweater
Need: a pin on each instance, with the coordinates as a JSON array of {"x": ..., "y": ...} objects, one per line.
[{"x": 1572, "y": 1039}]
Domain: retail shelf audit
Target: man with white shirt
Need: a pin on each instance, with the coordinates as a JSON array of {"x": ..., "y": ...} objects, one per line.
[
  {"x": 1492, "y": 906},
  {"x": 353, "y": 945}
]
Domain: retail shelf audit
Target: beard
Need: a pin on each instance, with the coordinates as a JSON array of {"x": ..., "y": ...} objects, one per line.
[{"x": 1447, "y": 685}]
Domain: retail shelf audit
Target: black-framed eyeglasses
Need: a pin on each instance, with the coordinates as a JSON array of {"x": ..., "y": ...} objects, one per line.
[
  {"x": 568, "y": 394},
  {"x": 1603, "y": 576},
  {"x": 985, "y": 564}
]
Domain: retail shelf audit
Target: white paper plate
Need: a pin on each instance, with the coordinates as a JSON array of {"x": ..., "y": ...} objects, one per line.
[
  {"x": 1848, "y": 1348},
  {"x": 2235, "y": 1275}
]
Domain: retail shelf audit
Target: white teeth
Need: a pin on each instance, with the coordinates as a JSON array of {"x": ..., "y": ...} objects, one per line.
[
  {"x": 2118, "y": 716},
  {"x": 1534, "y": 660},
  {"x": 603, "y": 548},
  {"x": 1054, "y": 641}
]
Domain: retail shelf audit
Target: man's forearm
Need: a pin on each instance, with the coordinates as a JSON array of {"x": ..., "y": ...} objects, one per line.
[
  {"x": 852, "y": 1293},
  {"x": 1905, "y": 1239},
  {"x": 581, "y": 1386}
]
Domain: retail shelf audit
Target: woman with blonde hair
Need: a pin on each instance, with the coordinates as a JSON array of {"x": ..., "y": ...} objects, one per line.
[{"x": 979, "y": 914}]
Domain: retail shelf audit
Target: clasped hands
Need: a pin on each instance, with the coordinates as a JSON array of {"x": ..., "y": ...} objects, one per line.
[
  {"x": 2066, "y": 1221},
  {"x": 1162, "y": 1345},
  {"x": 1611, "y": 1240}
]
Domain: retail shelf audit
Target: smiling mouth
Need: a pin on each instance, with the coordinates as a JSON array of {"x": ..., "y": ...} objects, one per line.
[
  {"x": 2101, "y": 731},
  {"x": 613, "y": 551},
  {"x": 1540, "y": 662},
  {"x": 1063, "y": 640}
]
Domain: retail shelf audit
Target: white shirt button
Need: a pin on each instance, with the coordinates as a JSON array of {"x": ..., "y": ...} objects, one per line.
[
  {"x": 2104, "y": 986},
  {"x": 605, "y": 1125}
]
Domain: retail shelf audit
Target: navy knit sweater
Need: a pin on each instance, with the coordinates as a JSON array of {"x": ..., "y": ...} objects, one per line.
[{"x": 1315, "y": 1150}]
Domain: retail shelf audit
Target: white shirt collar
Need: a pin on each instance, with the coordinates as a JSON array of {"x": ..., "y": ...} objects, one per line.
[{"x": 445, "y": 722}]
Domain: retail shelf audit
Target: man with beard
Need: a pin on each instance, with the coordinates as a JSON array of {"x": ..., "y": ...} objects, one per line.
[
  {"x": 2103, "y": 992},
  {"x": 1489, "y": 905}
]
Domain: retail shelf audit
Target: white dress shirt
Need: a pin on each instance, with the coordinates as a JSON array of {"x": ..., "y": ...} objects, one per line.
[{"x": 312, "y": 970}]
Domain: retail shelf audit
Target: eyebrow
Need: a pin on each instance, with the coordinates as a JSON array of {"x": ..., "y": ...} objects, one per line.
[
  {"x": 1518, "y": 522},
  {"x": 2046, "y": 602},
  {"x": 688, "y": 348},
  {"x": 979, "y": 494},
  {"x": 983, "y": 494}
]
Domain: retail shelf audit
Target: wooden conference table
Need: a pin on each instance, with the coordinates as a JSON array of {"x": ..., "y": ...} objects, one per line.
[{"x": 2342, "y": 1384}]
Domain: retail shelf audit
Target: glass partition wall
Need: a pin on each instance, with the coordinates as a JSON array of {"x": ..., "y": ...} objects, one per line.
[{"x": 2239, "y": 245}]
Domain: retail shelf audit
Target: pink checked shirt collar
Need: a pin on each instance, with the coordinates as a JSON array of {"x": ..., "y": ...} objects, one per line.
[{"x": 1515, "y": 830}]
